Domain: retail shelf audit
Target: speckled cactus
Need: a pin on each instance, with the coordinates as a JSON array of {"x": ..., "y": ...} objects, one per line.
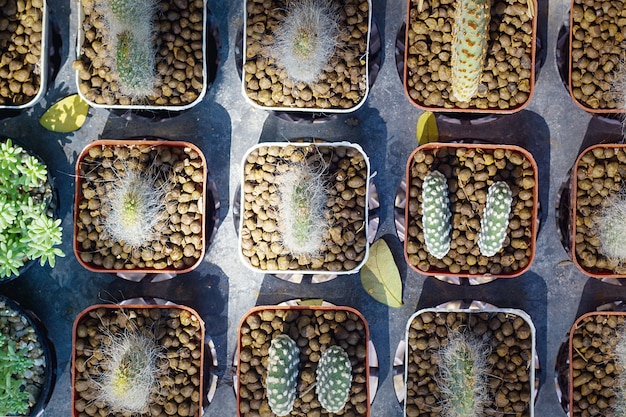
[
  {"x": 334, "y": 378},
  {"x": 282, "y": 374},
  {"x": 135, "y": 58},
  {"x": 463, "y": 369},
  {"x": 436, "y": 214},
  {"x": 470, "y": 33},
  {"x": 495, "y": 219}
]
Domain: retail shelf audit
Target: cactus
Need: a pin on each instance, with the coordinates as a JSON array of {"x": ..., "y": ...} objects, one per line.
[
  {"x": 470, "y": 33},
  {"x": 620, "y": 385},
  {"x": 610, "y": 227},
  {"x": 306, "y": 39},
  {"x": 301, "y": 209},
  {"x": 130, "y": 13},
  {"x": 495, "y": 218},
  {"x": 135, "y": 61},
  {"x": 130, "y": 372},
  {"x": 334, "y": 378},
  {"x": 282, "y": 374},
  {"x": 462, "y": 380},
  {"x": 618, "y": 89},
  {"x": 135, "y": 207},
  {"x": 436, "y": 214}
]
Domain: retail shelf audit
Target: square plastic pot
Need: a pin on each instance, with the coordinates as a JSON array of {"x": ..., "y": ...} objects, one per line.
[
  {"x": 338, "y": 322},
  {"x": 95, "y": 313},
  {"x": 431, "y": 324},
  {"x": 467, "y": 261},
  {"x": 86, "y": 173},
  {"x": 294, "y": 108},
  {"x": 41, "y": 66},
  {"x": 145, "y": 106},
  {"x": 256, "y": 209},
  {"x": 585, "y": 178},
  {"x": 427, "y": 34}
]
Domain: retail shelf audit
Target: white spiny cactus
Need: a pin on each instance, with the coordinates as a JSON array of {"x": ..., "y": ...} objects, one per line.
[
  {"x": 495, "y": 218},
  {"x": 334, "y": 378},
  {"x": 436, "y": 214},
  {"x": 282, "y": 374}
]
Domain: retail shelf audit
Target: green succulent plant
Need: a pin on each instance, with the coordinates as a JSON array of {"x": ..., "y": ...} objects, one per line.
[
  {"x": 495, "y": 219},
  {"x": 282, "y": 374},
  {"x": 13, "y": 363},
  {"x": 436, "y": 214},
  {"x": 334, "y": 379},
  {"x": 27, "y": 230}
]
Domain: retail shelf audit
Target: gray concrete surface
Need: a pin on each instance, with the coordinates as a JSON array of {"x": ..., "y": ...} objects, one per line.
[{"x": 224, "y": 126}]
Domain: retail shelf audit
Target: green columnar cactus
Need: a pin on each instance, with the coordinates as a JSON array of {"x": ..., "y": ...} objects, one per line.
[
  {"x": 306, "y": 39},
  {"x": 611, "y": 228},
  {"x": 301, "y": 209},
  {"x": 463, "y": 381},
  {"x": 470, "y": 33},
  {"x": 495, "y": 218},
  {"x": 436, "y": 214},
  {"x": 334, "y": 378},
  {"x": 135, "y": 58},
  {"x": 282, "y": 374},
  {"x": 129, "y": 13},
  {"x": 620, "y": 387}
]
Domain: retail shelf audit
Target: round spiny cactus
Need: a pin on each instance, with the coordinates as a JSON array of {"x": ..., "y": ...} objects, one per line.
[
  {"x": 282, "y": 374},
  {"x": 436, "y": 214},
  {"x": 306, "y": 39},
  {"x": 463, "y": 369},
  {"x": 495, "y": 218},
  {"x": 301, "y": 209},
  {"x": 470, "y": 33},
  {"x": 334, "y": 378}
]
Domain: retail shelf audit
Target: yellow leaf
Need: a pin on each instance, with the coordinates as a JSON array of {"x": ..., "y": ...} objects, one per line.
[
  {"x": 380, "y": 276},
  {"x": 426, "y": 130},
  {"x": 311, "y": 302},
  {"x": 66, "y": 115}
]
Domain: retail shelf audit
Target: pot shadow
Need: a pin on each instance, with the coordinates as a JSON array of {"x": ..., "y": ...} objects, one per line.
[
  {"x": 525, "y": 129},
  {"x": 527, "y": 293}
]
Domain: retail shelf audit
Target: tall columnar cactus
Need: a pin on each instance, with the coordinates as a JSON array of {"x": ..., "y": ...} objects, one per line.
[
  {"x": 334, "y": 378},
  {"x": 128, "y": 13},
  {"x": 436, "y": 214},
  {"x": 282, "y": 374},
  {"x": 470, "y": 33},
  {"x": 135, "y": 58},
  {"x": 495, "y": 218},
  {"x": 301, "y": 209},
  {"x": 620, "y": 387},
  {"x": 463, "y": 381}
]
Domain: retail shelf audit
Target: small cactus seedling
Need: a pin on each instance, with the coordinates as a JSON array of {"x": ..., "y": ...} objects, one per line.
[
  {"x": 610, "y": 227},
  {"x": 495, "y": 218},
  {"x": 135, "y": 61},
  {"x": 470, "y": 33},
  {"x": 282, "y": 374},
  {"x": 463, "y": 369},
  {"x": 306, "y": 39},
  {"x": 436, "y": 214},
  {"x": 301, "y": 209},
  {"x": 130, "y": 372},
  {"x": 135, "y": 207},
  {"x": 334, "y": 378}
]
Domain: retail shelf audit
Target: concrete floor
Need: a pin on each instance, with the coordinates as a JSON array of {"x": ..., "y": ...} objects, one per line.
[{"x": 553, "y": 292}]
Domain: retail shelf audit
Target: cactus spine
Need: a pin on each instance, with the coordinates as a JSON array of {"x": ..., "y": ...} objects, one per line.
[
  {"x": 470, "y": 33},
  {"x": 301, "y": 209},
  {"x": 611, "y": 228},
  {"x": 463, "y": 371},
  {"x": 495, "y": 219},
  {"x": 436, "y": 214},
  {"x": 282, "y": 374},
  {"x": 334, "y": 378},
  {"x": 306, "y": 39}
]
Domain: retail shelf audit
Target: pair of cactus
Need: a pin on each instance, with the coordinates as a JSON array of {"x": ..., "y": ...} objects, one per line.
[
  {"x": 334, "y": 376},
  {"x": 131, "y": 28},
  {"x": 436, "y": 216}
]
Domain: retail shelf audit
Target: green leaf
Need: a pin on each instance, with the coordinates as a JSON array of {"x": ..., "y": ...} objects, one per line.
[
  {"x": 311, "y": 302},
  {"x": 380, "y": 276},
  {"x": 426, "y": 130},
  {"x": 66, "y": 115}
]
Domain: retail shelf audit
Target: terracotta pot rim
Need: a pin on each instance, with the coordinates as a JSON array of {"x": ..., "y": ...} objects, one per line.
[
  {"x": 573, "y": 214},
  {"x": 80, "y": 316},
  {"x": 310, "y": 142},
  {"x": 535, "y": 210},
  {"x": 353, "y": 310},
  {"x": 308, "y": 109},
  {"x": 140, "y": 107},
  {"x": 533, "y": 58},
  {"x": 518, "y": 312},
  {"x": 570, "y": 87},
  {"x": 150, "y": 141}
]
